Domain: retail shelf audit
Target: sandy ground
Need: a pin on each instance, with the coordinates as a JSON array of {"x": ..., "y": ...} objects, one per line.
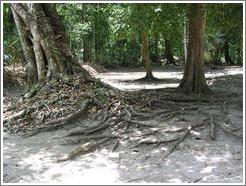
[{"x": 197, "y": 159}]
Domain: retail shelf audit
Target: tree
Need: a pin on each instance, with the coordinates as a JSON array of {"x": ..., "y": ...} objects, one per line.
[
  {"x": 228, "y": 59},
  {"x": 146, "y": 59},
  {"x": 141, "y": 22},
  {"x": 194, "y": 80},
  {"x": 169, "y": 52},
  {"x": 227, "y": 20},
  {"x": 43, "y": 40}
]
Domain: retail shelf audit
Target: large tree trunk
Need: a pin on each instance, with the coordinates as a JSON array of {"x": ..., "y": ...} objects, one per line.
[
  {"x": 193, "y": 80},
  {"x": 228, "y": 60},
  {"x": 169, "y": 52},
  {"x": 30, "y": 65},
  {"x": 145, "y": 54},
  {"x": 43, "y": 30}
]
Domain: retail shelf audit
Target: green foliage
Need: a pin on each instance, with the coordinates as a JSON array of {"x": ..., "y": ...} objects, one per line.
[
  {"x": 11, "y": 43},
  {"x": 225, "y": 23},
  {"x": 110, "y": 34}
]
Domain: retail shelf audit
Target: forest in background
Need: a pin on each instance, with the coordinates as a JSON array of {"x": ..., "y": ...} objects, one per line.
[{"x": 110, "y": 34}]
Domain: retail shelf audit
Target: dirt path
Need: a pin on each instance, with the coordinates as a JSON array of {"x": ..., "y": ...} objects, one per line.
[{"x": 197, "y": 159}]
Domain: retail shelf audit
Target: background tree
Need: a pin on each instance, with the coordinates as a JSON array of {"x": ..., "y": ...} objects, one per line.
[
  {"x": 193, "y": 80},
  {"x": 141, "y": 22},
  {"x": 110, "y": 34},
  {"x": 225, "y": 24}
]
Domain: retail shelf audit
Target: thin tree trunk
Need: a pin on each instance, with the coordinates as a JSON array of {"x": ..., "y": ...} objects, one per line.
[
  {"x": 145, "y": 54},
  {"x": 215, "y": 58},
  {"x": 93, "y": 48},
  {"x": 185, "y": 40},
  {"x": 228, "y": 60},
  {"x": 193, "y": 80},
  {"x": 168, "y": 52},
  {"x": 154, "y": 49},
  {"x": 240, "y": 57}
]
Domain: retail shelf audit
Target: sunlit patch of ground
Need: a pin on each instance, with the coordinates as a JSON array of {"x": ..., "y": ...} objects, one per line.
[{"x": 171, "y": 79}]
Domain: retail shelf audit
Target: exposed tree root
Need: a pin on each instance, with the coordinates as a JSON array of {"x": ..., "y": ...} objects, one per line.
[
  {"x": 115, "y": 146},
  {"x": 86, "y": 138},
  {"x": 187, "y": 132},
  {"x": 16, "y": 115},
  {"x": 53, "y": 124},
  {"x": 83, "y": 149},
  {"x": 185, "y": 99},
  {"x": 148, "y": 79},
  {"x": 229, "y": 131},
  {"x": 154, "y": 141},
  {"x": 32, "y": 92},
  {"x": 21, "y": 113}
]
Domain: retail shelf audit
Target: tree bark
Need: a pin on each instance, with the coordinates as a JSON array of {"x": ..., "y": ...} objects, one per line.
[
  {"x": 45, "y": 36},
  {"x": 145, "y": 54},
  {"x": 194, "y": 80},
  {"x": 30, "y": 65},
  {"x": 185, "y": 40},
  {"x": 168, "y": 52}
]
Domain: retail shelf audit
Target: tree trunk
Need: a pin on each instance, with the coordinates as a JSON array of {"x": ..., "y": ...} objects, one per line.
[
  {"x": 240, "y": 50},
  {"x": 194, "y": 80},
  {"x": 185, "y": 40},
  {"x": 145, "y": 54},
  {"x": 228, "y": 60},
  {"x": 215, "y": 58},
  {"x": 52, "y": 55},
  {"x": 93, "y": 48},
  {"x": 154, "y": 49},
  {"x": 30, "y": 65},
  {"x": 168, "y": 52}
]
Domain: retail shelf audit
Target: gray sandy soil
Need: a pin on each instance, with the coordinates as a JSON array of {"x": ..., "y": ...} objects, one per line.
[{"x": 197, "y": 159}]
